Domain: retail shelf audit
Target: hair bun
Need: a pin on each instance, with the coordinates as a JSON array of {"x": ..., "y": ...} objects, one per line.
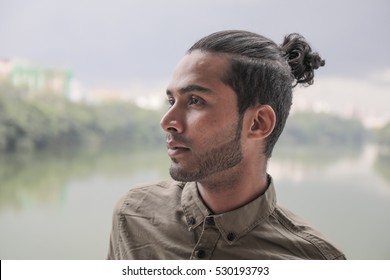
[{"x": 301, "y": 59}]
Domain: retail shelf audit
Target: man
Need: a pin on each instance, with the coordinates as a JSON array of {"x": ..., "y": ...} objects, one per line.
[{"x": 229, "y": 99}]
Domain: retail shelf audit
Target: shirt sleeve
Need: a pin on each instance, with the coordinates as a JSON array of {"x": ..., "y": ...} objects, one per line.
[{"x": 114, "y": 242}]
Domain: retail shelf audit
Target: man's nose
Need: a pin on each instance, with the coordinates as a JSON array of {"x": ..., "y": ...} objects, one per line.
[{"x": 172, "y": 121}]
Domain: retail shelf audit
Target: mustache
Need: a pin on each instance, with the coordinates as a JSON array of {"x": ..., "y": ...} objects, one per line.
[{"x": 178, "y": 139}]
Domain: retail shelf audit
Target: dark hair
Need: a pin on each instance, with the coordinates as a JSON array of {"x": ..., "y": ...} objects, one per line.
[{"x": 261, "y": 72}]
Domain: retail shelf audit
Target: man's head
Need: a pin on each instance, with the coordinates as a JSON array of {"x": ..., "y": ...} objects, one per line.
[
  {"x": 231, "y": 88},
  {"x": 261, "y": 72}
]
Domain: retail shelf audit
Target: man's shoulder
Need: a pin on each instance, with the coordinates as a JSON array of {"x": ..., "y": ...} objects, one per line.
[
  {"x": 149, "y": 195},
  {"x": 320, "y": 246}
]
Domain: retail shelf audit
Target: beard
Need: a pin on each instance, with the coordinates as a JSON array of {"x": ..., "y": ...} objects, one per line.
[{"x": 217, "y": 159}]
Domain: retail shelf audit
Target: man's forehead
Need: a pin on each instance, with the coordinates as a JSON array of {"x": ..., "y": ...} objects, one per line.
[{"x": 198, "y": 65}]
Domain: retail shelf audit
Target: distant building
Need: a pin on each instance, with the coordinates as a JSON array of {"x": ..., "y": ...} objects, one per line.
[{"x": 36, "y": 79}]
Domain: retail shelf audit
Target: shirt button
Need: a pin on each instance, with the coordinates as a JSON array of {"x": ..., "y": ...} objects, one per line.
[
  {"x": 201, "y": 254},
  {"x": 231, "y": 236},
  {"x": 191, "y": 221},
  {"x": 210, "y": 221}
]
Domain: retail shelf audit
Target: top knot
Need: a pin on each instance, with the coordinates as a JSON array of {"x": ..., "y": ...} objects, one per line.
[{"x": 301, "y": 59}]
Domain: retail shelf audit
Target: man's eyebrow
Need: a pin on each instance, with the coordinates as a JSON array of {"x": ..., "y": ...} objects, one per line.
[{"x": 191, "y": 88}]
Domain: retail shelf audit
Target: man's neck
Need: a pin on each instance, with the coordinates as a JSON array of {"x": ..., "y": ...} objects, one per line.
[{"x": 227, "y": 193}]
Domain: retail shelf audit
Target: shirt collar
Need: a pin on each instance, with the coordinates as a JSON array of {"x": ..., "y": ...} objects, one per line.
[{"x": 233, "y": 224}]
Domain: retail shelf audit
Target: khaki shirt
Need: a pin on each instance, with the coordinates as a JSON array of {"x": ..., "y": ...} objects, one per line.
[{"x": 169, "y": 220}]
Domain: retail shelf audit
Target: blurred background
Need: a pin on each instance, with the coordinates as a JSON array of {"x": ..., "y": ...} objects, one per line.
[{"x": 82, "y": 90}]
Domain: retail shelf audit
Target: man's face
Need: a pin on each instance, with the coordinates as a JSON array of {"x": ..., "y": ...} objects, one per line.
[{"x": 202, "y": 125}]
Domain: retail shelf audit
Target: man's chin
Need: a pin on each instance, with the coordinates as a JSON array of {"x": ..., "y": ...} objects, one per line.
[{"x": 180, "y": 174}]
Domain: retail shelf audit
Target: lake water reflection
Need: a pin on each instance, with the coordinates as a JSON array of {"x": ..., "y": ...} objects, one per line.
[{"x": 59, "y": 206}]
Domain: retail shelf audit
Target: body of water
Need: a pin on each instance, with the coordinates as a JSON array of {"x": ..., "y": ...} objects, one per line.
[{"x": 60, "y": 206}]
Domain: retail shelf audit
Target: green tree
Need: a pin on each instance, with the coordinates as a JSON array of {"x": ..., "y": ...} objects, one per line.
[{"x": 322, "y": 129}]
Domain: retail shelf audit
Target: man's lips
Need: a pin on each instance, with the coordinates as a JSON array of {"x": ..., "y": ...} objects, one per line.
[{"x": 175, "y": 149}]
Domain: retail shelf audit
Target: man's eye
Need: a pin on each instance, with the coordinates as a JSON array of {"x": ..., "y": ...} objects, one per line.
[
  {"x": 171, "y": 101},
  {"x": 195, "y": 101}
]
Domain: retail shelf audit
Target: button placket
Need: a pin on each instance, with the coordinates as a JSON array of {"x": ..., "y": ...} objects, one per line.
[{"x": 207, "y": 240}]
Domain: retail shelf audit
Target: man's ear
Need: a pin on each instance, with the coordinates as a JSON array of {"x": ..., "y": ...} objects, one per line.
[{"x": 262, "y": 121}]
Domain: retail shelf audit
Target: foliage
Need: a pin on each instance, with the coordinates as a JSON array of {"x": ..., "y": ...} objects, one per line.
[
  {"x": 323, "y": 129},
  {"x": 46, "y": 121}
]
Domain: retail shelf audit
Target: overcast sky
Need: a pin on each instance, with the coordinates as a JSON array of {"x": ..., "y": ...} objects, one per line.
[{"x": 120, "y": 43}]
